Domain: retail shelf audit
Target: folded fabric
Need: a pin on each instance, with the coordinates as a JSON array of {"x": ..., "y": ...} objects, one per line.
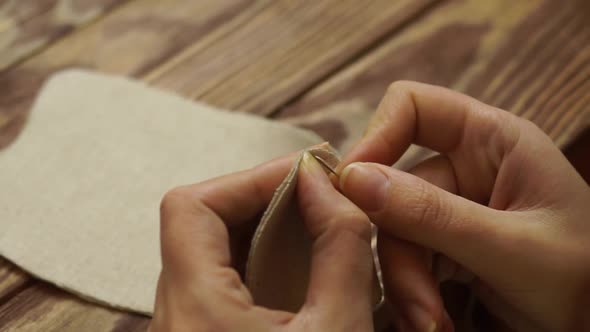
[
  {"x": 277, "y": 271},
  {"x": 81, "y": 186}
]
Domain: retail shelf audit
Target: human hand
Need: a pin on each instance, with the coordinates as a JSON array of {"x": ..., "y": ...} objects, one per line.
[
  {"x": 198, "y": 289},
  {"x": 500, "y": 201}
]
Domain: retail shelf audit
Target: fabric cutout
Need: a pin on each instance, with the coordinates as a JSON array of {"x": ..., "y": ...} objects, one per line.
[
  {"x": 277, "y": 271},
  {"x": 82, "y": 184}
]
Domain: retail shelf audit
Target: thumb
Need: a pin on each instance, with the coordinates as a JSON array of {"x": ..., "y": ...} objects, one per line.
[
  {"x": 412, "y": 209},
  {"x": 342, "y": 264}
]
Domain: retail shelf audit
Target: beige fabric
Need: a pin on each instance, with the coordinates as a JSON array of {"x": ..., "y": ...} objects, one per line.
[
  {"x": 81, "y": 187},
  {"x": 277, "y": 271}
]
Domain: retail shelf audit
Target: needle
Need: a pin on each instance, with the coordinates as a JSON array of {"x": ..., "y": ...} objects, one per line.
[{"x": 325, "y": 164}]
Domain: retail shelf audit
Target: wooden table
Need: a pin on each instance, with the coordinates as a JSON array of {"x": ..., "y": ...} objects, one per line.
[{"x": 287, "y": 58}]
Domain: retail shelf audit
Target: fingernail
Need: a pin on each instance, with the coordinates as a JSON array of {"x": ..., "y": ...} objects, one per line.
[
  {"x": 311, "y": 166},
  {"x": 420, "y": 319},
  {"x": 365, "y": 185}
]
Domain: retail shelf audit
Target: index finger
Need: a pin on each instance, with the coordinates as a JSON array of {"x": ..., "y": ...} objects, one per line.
[
  {"x": 194, "y": 218},
  {"x": 430, "y": 116}
]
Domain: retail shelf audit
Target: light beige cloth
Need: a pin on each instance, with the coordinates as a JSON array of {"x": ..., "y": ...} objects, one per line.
[{"x": 80, "y": 188}]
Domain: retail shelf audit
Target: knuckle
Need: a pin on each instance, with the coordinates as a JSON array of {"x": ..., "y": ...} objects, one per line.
[
  {"x": 530, "y": 127},
  {"x": 225, "y": 280},
  {"x": 493, "y": 127},
  {"x": 173, "y": 199},
  {"x": 181, "y": 200},
  {"x": 397, "y": 86},
  {"x": 487, "y": 120},
  {"x": 353, "y": 221},
  {"x": 508, "y": 131},
  {"x": 429, "y": 209},
  {"x": 528, "y": 123}
]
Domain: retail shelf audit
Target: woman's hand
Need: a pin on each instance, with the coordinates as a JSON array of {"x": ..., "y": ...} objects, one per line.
[
  {"x": 500, "y": 201},
  {"x": 198, "y": 289}
]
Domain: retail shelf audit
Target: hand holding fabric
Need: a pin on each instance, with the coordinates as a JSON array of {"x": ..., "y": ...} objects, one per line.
[
  {"x": 199, "y": 290},
  {"x": 500, "y": 202}
]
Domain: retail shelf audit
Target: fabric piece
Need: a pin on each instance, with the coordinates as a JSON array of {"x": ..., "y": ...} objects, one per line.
[
  {"x": 278, "y": 267},
  {"x": 81, "y": 186}
]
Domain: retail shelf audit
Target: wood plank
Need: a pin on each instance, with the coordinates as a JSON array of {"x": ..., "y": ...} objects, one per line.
[
  {"x": 223, "y": 62},
  {"x": 304, "y": 28},
  {"x": 26, "y": 26},
  {"x": 529, "y": 57},
  {"x": 62, "y": 312},
  {"x": 12, "y": 280},
  {"x": 130, "y": 42},
  {"x": 282, "y": 51}
]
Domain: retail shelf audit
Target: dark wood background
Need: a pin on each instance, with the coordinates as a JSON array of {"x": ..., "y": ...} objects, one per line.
[{"x": 287, "y": 58}]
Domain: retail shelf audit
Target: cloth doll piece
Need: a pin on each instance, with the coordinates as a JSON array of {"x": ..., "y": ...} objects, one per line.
[
  {"x": 277, "y": 271},
  {"x": 82, "y": 184}
]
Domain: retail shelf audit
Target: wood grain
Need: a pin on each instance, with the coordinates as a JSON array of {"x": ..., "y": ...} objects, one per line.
[
  {"x": 130, "y": 42},
  {"x": 281, "y": 51},
  {"x": 26, "y": 26},
  {"x": 530, "y": 58},
  {"x": 43, "y": 308},
  {"x": 12, "y": 280}
]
